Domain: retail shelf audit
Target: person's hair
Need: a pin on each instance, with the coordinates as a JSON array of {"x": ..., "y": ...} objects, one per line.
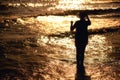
[{"x": 82, "y": 14}]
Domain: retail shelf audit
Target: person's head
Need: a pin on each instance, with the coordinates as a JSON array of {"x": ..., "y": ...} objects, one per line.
[{"x": 82, "y": 14}]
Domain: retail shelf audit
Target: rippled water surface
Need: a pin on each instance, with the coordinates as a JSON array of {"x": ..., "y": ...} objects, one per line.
[
  {"x": 102, "y": 48},
  {"x": 69, "y": 4},
  {"x": 56, "y": 33},
  {"x": 53, "y": 58}
]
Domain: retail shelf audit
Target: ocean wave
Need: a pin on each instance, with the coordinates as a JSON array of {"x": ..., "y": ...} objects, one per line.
[
  {"x": 103, "y": 2},
  {"x": 91, "y": 32},
  {"x": 91, "y": 12}
]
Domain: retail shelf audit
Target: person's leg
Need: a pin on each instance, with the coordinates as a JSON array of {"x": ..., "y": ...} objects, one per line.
[
  {"x": 80, "y": 50},
  {"x": 80, "y": 71}
]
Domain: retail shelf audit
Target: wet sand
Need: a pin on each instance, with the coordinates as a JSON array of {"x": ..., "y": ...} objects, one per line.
[{"x": 25, "y": 55}]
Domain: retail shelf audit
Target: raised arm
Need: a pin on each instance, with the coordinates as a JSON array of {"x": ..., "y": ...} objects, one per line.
[
  {"x": 88, "y": 20},
  {"x": 72, "y": 27}
]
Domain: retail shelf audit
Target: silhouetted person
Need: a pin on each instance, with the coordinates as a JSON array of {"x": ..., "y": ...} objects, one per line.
[{"x": 81, "y": 40}]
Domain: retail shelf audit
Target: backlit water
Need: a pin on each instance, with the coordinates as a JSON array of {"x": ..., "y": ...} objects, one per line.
[
  {"x": 102, "y": 52},
  {"x": 56, "y": 28},
  {"x": 101, "y": 49}
]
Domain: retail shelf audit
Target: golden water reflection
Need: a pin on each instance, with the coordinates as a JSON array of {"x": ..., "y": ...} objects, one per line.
[
  {"x": 56, "y": 24},
  {"x": 63, "y": 47},
  {"x": 67, "y": 4},
  {"x": 60, "y": 51},
  {"x": 98, "y": 49}
]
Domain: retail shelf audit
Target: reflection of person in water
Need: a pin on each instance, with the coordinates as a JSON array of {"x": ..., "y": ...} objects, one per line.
[{"x": 81, "y": 40}]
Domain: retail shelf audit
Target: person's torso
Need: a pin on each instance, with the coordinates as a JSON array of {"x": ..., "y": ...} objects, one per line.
[{"x": 81, "y": 28}]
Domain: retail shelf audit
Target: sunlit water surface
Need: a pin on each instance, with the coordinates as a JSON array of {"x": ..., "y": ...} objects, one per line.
[
  {"x": 68, "y": 4},
  {"x": 54, "y": 30},
  {"x": 54, "y": 35}
]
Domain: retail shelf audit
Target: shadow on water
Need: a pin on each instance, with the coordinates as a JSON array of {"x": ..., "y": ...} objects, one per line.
[
  {"x": 12, "y": 74},
  {"x": 81, "y": 75}
]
